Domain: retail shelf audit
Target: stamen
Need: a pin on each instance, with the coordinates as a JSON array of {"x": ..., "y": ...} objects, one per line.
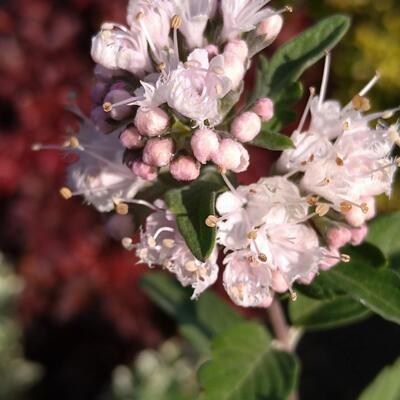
[
  {"x": 168, "y": 243},
  {"x": 161, "y": 230},
  {"x": 312, "y": 200},
  {"x": 122, "y": 208},
  {"x": 131, "y": 101},
  {"x": 139, "y": 18},
  {"x": 293, "y": 294},
  {"x": 339, "y": 161},
  {"x": 306, "y": 110},
  {"x": 136, "y": 201},
  {"x": 322, "y": 209},
  {"x": 370, "y": 84},
  {"x": 252, "y": 235},
  {"x": 228, "y": 183},
  {"x": 345, "y": 207},
  {"x": 176, "y": 23},
  {"x": 345, "y": 258},
  {"x": 191, "y": 266},
  {"x": 325, "y": 78},
  {"x": 211, "y": 221},
  {"x": 262, "y": 257},
  {"x": 360, "y": 103},
  {"x": 66, "y": 193}
]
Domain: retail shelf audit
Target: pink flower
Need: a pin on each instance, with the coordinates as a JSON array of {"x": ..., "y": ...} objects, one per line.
[
  {"x": 231, "y": 155},
  {"x": 205, "y": 144},
  {"x": 264, "y": 108}
]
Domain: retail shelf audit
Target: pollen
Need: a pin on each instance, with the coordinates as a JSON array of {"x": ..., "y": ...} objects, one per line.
[
  {"x": 211, "y": 221},
  {"x": 161, "y": 66},
  {"x": 66, "y": 193},
  {"x": 339, "y": 161},
  {"x": 345, "y": 258},
  {"x": 252, "y": 235},
  {"x": 293, "y": 295},
  {"x": 361, "y": 103},
  {"x": 364, "y": 207},
  {"x": 262, "y": 257},
  {"x": 168, "y": 243},
  {"x": 312, "y": 200},
  {"x": 191, "y": 266},
  {"x": 139, "y": 15},
  {"x": 74, "y": 142}
]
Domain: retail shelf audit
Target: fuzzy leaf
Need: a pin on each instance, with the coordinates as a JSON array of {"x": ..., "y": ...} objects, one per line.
[
  {"x": 365, "y": 279},
  {"x": 244, "y": 366},
  {"x": 195, "y": 320},
  {"x": 272, "y": 141},
  {"x": 386, "y": 386},
  {"x": 191, "y": 205},
  {"x": 325, "y": 314},
  {"x": 294, "y": 57}
]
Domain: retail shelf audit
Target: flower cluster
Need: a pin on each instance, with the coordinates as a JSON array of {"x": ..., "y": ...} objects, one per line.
[
  {"x": 285, "y": 228},
  {"x": 172, "y": 75}
]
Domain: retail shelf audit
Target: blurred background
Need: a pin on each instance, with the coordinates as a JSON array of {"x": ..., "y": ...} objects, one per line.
[{"x": 74, "y": 323}]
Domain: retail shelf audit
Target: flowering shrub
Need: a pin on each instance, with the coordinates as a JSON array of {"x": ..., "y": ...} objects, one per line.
[{"x": 165, "y": 139}]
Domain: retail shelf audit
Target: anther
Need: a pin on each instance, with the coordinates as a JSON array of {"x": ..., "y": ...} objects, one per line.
[
  {"x": 107, "y": 107},
  {"x": 139, "y": 15},
  {"x": 66, "y": 193},
  {"x": 262, "y": 257},
  {"x": 312, "y": 200},
  {"x": 322, "y": 209},
  {"x": 364, "y": 207},
  {"x": 151, "y": 242},
  {"x": 288, "y": 9},
  {"x": 211, "y": 221},
  {"x": 168, "y": 243},
  {"x": 252, "y": 235},
  {"x": 293, "y": 295},
  {"x": 127, "y": 243},
  {"x": 191, "y": 266},
  {"x": 122, "y": 208},
  {"x": 161, "y": 66},
  {"x": 251, "y": 259},
  {"x": 74, "y": 142},
  {"x": 345, "y": 207},
  {"x": 176, "y": 22},
  {"x": 360, "y": 103},
  {"x": 345, "y": 258},
  {"x": 346, "y": 125},
  {"x": 339, "y": 161}
]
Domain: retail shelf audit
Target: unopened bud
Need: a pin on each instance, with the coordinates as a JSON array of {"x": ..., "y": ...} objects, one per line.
[
  {"x": 231, "y": 155},
  {"x": 144, "y": 171},
  {"x": 264, "y": 108},
  {"x": 270, "y": 27},
  {"x": 184, "y": 168},
  {"x": 246, "y": 126},
  {"x": 158, "y": 152},
  {"x": 205, "y": 144},
  {"x": 238, "y": 47},
  {"x": 130, "y": 138},
  {"x": 152, "y": 122},
  {"x": 234, "y": 68}
]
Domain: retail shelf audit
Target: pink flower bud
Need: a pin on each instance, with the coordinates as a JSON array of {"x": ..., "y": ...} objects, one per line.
[
  {"x": 338, "y": 237},
  {"x": 99, "y": 118},
  {"x": 158, "y": 152},
  {"x": 144, "y": 171},
  {"x": 278, "y": 282},
  {"x": 357, "y": 216},
  {"x": 264, "y": 108},
  {"x": 238, "y": 47},
  {"x": 204, "y": 144},
  {"x": 184, "y": 168},
  {"x": 212, "y": 51},
  {"x": 120, "y": 112},
  {"x": 246, "y": 126},
  {"x": 270, "y": 27},
  {"x": 152, "y": 122},
  {"x": 231, "y": 155},
  {"x": 234, "y": 68},
  {"x": 358, "y": 235},
  {"x": 131, "y": 138}
]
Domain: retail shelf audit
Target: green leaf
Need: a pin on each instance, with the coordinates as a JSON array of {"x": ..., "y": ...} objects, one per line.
[
  {"x": 196, "y": 323},
  {"x": 365, "y": 280},
  {"x": 294, "y": 57},
  {"x": 383, "y": 232},
  {"x": 244, "y": 366},
  {"x": 191, "y": 205},
  {"x": 386, "y": 386},
  {"x": 272, "y": 141},
  {"x": 325, "y": 314}
]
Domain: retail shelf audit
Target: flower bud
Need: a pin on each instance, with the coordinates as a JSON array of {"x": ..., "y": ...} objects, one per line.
[
  {"x": 144, "y": 171},
  {"x": 278, "y": 282},
  {"x": 158, "y": 152},
  {"x": 358, "y": 235},
  {"x": 231, "y": 155},
  {"x": 234, "y": 68},
  {"x": 152, "y": 122},
  {"x": 356, "y": 216},
  {"x": 338, "y": 237},
  {"x": 246, "y": 126},
  {"x": 121, "y": 112},
  {"x": 270, "y": 27},
  {"x": 239, "y": 48},
  {"x": 264, "y": 108},
  {"x": 204, "y": 144},
  {"x": 184, "y": 168},
  {"x": 131, "y": 138}
]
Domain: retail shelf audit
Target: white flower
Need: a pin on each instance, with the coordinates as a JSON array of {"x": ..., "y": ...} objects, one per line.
[
  {"x": 99, "y": 174},
  {"x": 195, "y": 88},
  {"x": 249, "y": 207},
  {"x": 195, "y": 15},
  {"x": 115, "y": 47},
  {"x": 162, "y": 244},
  {"x": 153, "y": 17},
  {"x": 242, "y": 16},
  {"x": 247, "y": 283}
]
